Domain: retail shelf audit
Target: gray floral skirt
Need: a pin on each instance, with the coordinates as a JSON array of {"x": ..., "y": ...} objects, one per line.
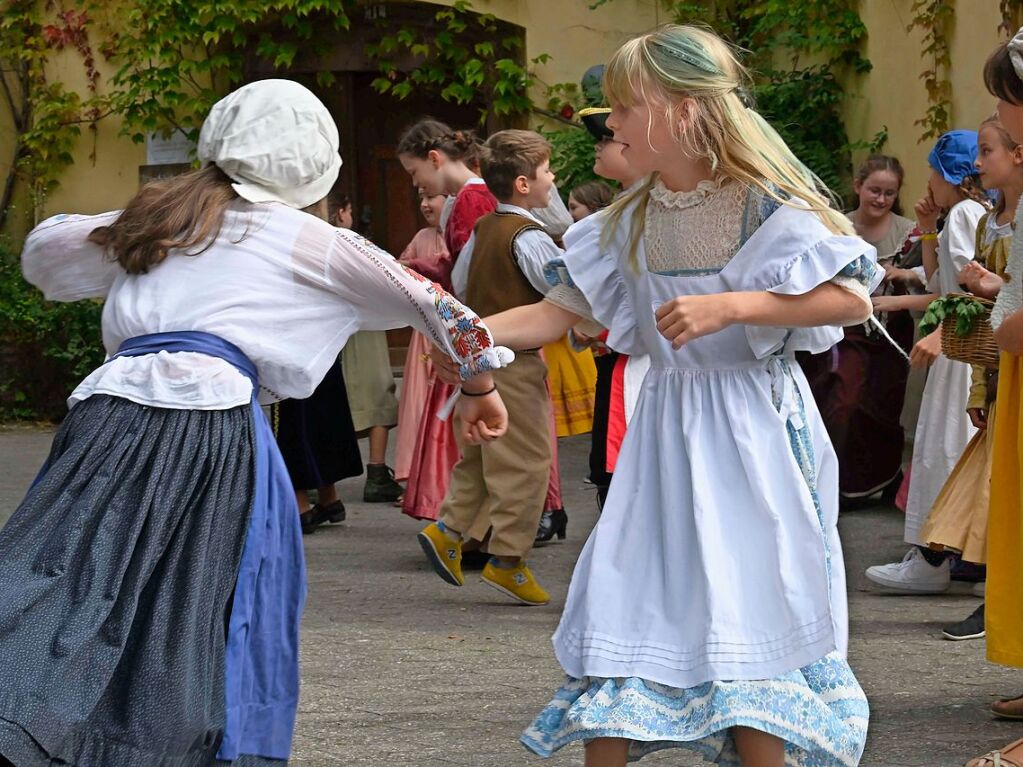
[{"x": 116, "y": 577}]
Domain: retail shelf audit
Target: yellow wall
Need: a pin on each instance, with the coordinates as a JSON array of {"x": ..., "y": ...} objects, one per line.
[
  {"x": 894, "y": 95},
  {"x": 577, "y": 37}
]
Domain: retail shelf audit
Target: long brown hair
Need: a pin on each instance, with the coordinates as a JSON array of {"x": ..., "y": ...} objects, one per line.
[
  {"x": 883, "y": 162},
  {"x": 184, "y": 213},
  {"x": 1000, "y": 76}
]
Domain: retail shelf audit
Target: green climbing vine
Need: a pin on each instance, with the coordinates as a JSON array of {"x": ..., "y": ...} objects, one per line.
[
  {"x": 467, "y": 57},
  {"x": 46, "y": 116},
  {"x": 934, "y": 19}
]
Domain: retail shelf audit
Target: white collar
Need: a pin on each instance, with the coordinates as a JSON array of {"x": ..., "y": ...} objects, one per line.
[{"x": 507, "y": 207}]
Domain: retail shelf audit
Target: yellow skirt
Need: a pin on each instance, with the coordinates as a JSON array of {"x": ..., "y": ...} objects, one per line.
[
  {"x": 1003, "y": 617},
  {"x": 959, "y": 517},
  {"x": 573, "y": 378}
]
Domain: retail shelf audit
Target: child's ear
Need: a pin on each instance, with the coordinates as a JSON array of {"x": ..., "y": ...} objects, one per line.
[
  {"x": 436, "y": 158},
  {"x": 522, "y": 185},
  {"x": 1017, "y": 155}
]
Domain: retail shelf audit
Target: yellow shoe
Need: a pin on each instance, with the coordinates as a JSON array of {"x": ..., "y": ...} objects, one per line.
[
  {"x": 444, "y": 553},
  {"x": 517, "y": 582}
]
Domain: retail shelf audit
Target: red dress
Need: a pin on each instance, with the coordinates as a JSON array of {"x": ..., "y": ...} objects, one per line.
[{"x": 436, "y": 451}]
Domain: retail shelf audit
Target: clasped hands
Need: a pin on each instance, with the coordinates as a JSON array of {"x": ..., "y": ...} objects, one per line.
[{"x": 482, "y": 417}]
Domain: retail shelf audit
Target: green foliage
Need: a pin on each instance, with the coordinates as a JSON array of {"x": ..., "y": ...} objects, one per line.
[
  {"x": 175, "y": 58},
  {"x": 934, "y": 18},
  {"x": 571, "y": 157},
  {"x": 46, "y": 348},
  {"x": 966, "y": 309},
  {"x": 467, "y": 58},
  {"x": 46, "y": 116}
]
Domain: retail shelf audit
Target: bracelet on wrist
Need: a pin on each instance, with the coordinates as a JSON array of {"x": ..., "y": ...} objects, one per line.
[
  {"x": 928, "y": 237},
  {"x": 491, "y": 390}
]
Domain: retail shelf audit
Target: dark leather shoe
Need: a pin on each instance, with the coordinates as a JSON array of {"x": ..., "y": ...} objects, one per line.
[
  {"x": 552, "y": 523},
  {"x": 308, "y": 520},
  {"x": 332, "y": 512}
]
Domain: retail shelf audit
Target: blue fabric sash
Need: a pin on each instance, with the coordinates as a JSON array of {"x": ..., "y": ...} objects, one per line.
[{"x": 261, "y": 662}]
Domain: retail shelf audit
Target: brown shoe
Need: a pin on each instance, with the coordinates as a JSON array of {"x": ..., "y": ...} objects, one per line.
[
  {"x": 1008, "y": 708},
  {"x": 1007, "y": 756}
]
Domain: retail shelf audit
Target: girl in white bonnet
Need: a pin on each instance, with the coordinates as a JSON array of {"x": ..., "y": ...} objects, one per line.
[{"x": 152, "y": 579}]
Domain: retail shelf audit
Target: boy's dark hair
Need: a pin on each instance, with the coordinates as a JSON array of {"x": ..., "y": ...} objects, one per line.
[
  {"x": 1000, "y": 76},
  {"x": 509, "y": 154}
]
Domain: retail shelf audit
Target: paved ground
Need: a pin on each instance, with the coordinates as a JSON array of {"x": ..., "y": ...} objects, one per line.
[{"x": 401, "y": 669}]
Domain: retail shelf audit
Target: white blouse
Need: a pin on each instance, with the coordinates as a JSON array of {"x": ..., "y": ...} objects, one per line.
[{"x": 284, "y": 286}]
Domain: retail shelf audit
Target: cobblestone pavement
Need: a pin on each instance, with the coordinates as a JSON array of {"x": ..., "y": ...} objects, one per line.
[{"x": 401, "y": 669}]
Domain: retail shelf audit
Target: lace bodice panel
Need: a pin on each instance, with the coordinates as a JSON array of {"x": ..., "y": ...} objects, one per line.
[{"x": 694, "y": 231}]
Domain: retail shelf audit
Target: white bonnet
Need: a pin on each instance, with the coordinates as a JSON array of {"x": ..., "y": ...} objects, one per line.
[{"x": 275, "y": 140}]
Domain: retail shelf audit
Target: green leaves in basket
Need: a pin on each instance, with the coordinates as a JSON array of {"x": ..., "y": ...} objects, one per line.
[{"x": 966, "y": 310}]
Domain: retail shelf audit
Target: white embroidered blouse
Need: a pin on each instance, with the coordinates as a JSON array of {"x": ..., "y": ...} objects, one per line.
[{"x": 284, "y": 286}]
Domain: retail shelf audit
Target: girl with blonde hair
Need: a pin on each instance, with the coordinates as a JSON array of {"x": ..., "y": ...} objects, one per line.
[{"x": 708, "y": 610}]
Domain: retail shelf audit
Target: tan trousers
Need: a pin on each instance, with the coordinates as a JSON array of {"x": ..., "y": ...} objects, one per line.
[{"x": 506, "y": 480}]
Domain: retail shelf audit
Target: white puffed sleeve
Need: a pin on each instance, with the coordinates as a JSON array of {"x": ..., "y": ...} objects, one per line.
[{"x": 61, "y": 262}]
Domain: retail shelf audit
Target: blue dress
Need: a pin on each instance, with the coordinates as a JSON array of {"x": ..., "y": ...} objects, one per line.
[{"x": 711, "y": 592}]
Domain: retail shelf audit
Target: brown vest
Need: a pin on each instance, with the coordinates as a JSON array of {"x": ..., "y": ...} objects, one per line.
[{"x": 495, "y": 282}]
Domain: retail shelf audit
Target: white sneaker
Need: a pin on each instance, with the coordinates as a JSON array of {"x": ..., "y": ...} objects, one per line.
[
  {"x": 913, "y": 575},
  {"x": 978, "y": 589}
]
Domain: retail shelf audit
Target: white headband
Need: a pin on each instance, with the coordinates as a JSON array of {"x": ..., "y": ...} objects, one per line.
[{"x": 1016, "y": 53}]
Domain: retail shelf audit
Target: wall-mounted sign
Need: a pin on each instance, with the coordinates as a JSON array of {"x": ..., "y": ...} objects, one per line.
[{"x": 172, "y": 150}]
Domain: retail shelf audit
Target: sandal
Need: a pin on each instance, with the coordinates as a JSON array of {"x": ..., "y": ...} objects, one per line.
[
  {"x": 1008, "y": 708},
  {"x": 1007, "y": 756}
]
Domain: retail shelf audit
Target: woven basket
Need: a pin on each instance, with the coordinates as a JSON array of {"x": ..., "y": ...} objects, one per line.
[{"x": 978, "y": 347}]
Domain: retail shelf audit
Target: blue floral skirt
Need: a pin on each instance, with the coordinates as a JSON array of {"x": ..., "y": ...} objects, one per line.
[{"x": 819, "y": 711}]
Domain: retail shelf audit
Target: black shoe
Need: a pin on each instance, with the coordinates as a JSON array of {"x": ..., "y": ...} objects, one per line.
[
  {"x": 332, "y": 512},
  {"x": 971, "y": 628},
  {"x": 552, "y": 523},
  {"x": 308, "y": 520},
  {"x": 380, "y": 485}
]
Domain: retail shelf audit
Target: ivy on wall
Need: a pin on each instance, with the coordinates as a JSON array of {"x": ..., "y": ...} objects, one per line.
[
  {"x": 46, "y": 117},
  {"x": 934, "y": 19},
  {"x": 467, "y": 57}
]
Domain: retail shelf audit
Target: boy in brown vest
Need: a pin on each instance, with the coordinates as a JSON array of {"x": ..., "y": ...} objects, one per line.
[{"x": 505, "y": 480}]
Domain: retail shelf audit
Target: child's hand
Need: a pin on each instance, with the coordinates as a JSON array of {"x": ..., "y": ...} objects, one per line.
[
  {"x": 887, "y": 303},
  {"x": 684, "y": 318},
  {"x": 897, "y": 274},
  {"x": 927, "y": 213},
  {"x": 483, "y": 419},
  {"x": 978, "y": 417},
  {"x": 980, "y": 281},
  {"x": 927, "y": 350},
  {"x": 445, "y": 368}
]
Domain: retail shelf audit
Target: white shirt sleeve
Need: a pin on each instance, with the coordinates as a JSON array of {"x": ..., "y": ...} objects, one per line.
[
  {"x": 460, "y": 274},
  {"x": 61, "y": 262},
  {"x": 385, "y": 295},
  {"x": 533, "y": 249},
  {"x": 960, "y": 234}
]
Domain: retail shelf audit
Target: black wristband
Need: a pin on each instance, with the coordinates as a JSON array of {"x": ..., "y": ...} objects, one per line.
[{"x": 491, "y": 390}]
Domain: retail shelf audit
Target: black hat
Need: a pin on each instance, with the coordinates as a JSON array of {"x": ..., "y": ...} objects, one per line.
[{"x": 595, "y": 120}]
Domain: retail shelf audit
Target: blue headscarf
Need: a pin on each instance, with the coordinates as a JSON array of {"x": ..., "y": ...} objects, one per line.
[{"x": 954, "y": 154}]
